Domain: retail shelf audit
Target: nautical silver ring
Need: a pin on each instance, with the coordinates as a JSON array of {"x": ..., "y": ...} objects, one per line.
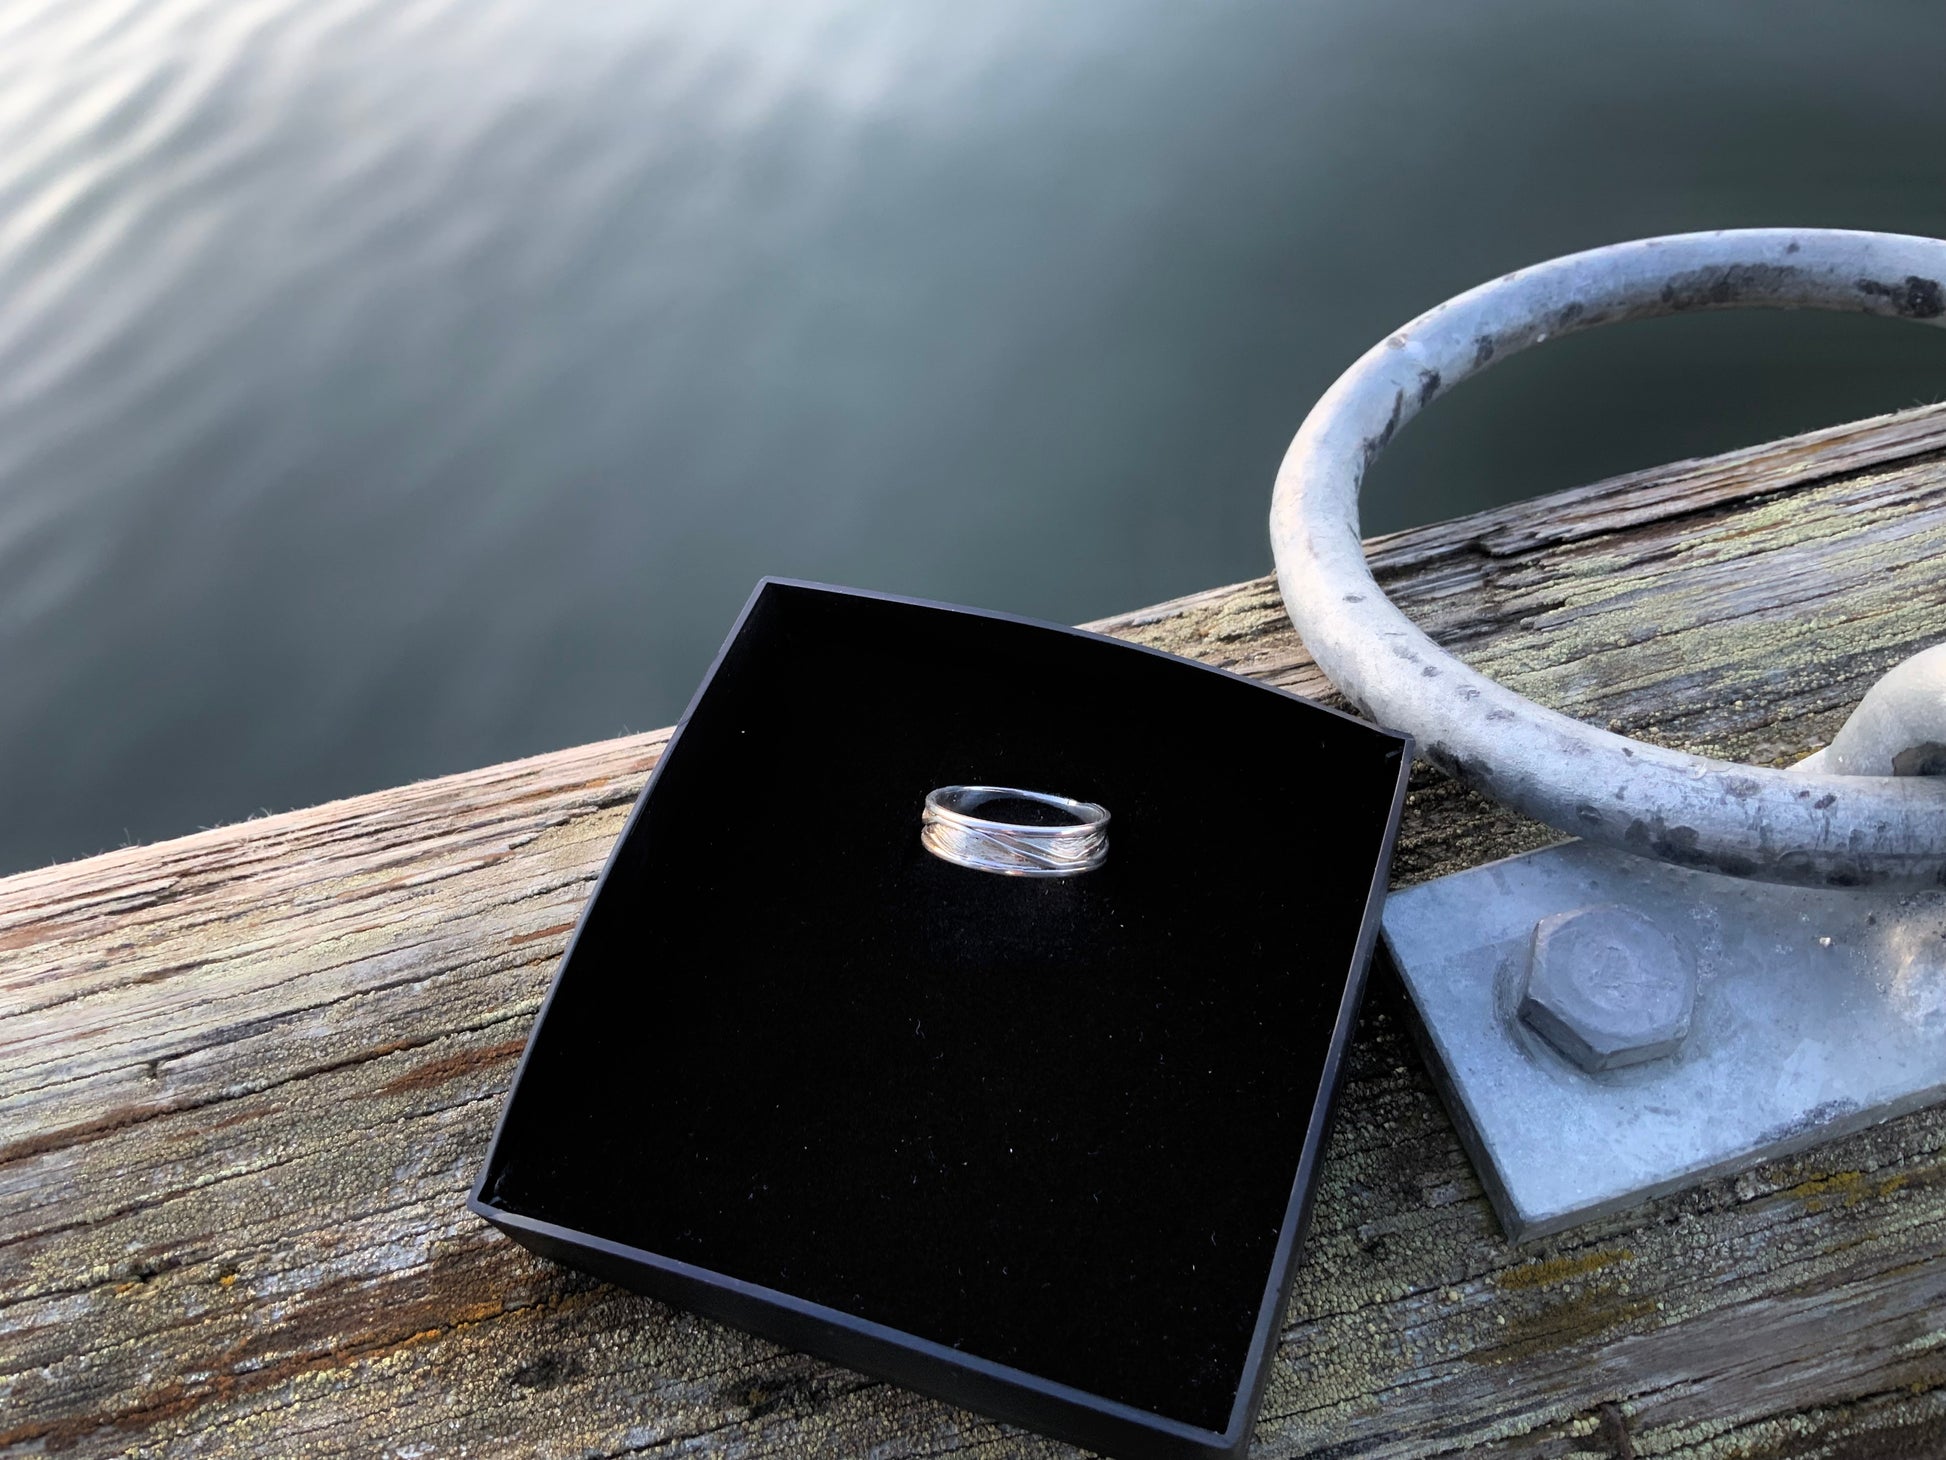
[{"x": 1013, "y": 832}]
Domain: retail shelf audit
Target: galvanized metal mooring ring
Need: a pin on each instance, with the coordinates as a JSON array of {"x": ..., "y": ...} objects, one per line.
[{"x": 1747, "y": 821}]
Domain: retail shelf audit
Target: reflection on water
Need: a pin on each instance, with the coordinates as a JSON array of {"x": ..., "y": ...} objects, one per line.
[{"x": 388, "y": 388}]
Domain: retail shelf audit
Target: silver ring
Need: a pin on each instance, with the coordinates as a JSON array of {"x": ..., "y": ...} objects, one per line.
[{"x": 1065, "y": 838}]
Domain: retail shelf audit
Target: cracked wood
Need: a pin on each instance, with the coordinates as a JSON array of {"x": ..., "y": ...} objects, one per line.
[{"x": 246, "y": 1077}]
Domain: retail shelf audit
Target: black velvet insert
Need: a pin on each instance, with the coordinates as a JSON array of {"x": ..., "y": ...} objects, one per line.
[{"x": 1050, "y": 1122}]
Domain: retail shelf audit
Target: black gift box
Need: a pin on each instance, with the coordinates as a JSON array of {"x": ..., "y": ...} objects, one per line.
[{"x": 1040, "y": 1146}]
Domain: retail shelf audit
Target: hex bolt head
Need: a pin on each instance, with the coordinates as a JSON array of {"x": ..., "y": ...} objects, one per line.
[{"x": 1607, "y": 987}]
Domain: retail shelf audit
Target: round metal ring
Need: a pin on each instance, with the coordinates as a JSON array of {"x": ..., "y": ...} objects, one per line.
[
  {"x": 1061, "y": 838},
  {"x": 1747, "y": 821}
]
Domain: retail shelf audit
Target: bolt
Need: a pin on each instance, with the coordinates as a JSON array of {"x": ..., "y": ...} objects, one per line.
[{"x": 1607, "y": 987}]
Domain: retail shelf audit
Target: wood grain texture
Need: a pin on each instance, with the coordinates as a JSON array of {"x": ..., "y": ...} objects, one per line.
[{"x": 246, "y": 1077}]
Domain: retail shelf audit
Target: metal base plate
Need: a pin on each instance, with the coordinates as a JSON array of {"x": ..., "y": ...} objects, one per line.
[{"x": 1816, "y": 1013}]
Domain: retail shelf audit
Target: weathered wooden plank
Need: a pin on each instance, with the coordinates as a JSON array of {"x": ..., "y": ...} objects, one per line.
[{"x": 245, "y": 1078}]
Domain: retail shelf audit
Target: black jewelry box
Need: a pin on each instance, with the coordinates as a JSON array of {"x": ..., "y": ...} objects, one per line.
[{"x": 1039, "y": 1146}]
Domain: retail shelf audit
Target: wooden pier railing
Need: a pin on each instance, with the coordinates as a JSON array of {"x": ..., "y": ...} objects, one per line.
[{"x": 246, "y": 1077}]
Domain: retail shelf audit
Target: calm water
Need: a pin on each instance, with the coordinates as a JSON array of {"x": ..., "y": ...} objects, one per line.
[{"x": 391, "y": 387}]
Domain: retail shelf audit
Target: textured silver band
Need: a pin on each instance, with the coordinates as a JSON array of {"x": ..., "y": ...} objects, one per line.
[{"x": 1073, "y": 840}]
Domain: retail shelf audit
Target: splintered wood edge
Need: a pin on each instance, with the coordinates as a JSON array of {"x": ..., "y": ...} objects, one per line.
[{"x": 246, "y": 1076}]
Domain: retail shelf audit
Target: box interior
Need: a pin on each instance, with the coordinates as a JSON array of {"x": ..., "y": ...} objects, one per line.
[{"x": 1050, "y": 1122}]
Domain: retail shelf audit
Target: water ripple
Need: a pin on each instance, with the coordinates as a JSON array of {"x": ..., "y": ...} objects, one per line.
[{"x": 392, "y": 387}]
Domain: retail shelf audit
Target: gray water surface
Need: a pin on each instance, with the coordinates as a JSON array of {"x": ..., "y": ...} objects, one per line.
[{"x": 392, "y": 388}]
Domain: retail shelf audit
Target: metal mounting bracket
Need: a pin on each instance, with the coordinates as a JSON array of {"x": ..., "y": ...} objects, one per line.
[
  {"x": 1815, "y": 1013},
  {"x": 1607, "y": 1026}
]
